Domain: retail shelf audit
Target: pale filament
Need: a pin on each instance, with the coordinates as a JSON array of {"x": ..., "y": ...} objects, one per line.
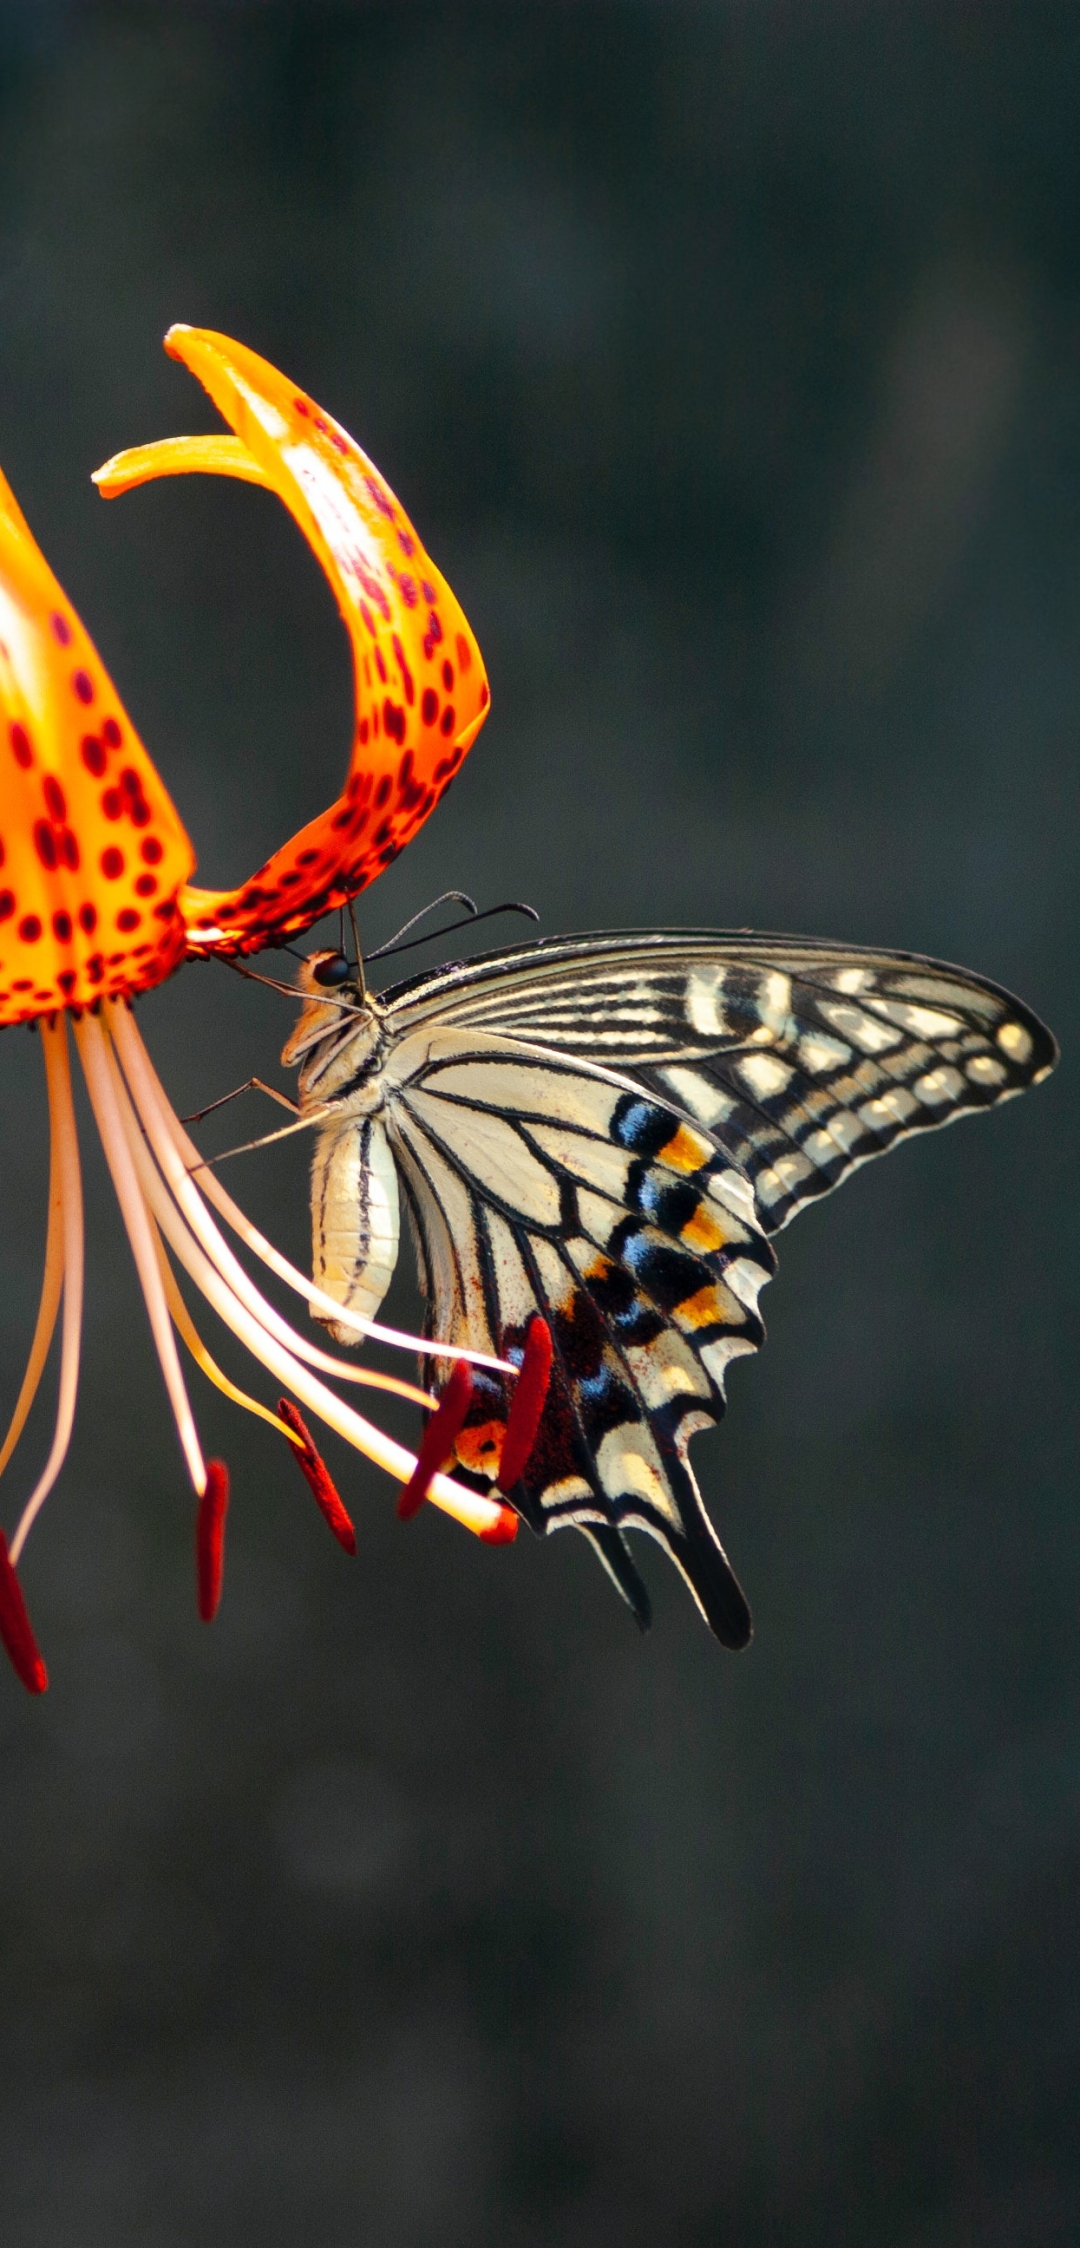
[
  {"x": 188, "y": 1227},
  {"x": 93, "y": 1053},
  {"x": 149, "y": 1094},
  {"x": 65, "y": 1154},
  {"x": 186, "y": 1193},
  {"x": 51, "y": 1285}
]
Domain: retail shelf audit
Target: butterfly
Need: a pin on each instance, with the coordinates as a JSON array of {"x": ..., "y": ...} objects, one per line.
[{"x": 608, "y": 1131}]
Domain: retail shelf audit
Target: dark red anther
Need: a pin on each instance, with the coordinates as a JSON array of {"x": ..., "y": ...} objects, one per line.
[
  {"x": 440, "y": 1436},
  {"x": 16, "y": 1629},
  {"x": 320, "y": 1482},
  {"x": 210, "y": 1539},
  {"x": 527, "y": 1404}
]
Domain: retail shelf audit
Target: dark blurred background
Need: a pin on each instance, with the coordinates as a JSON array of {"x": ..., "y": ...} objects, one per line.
[{"x": 728, "y": 359}]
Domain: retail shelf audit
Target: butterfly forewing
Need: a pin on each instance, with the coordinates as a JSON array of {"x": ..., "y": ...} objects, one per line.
[{"x": 800, "y": 1059}]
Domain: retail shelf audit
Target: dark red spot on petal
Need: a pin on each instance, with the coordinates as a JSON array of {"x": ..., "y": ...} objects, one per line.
[
  {"x": 83, "y": 686},
  {"x": 429, "y": 706},
  {"x": 45, "y": 844},
  {"x": 69, "y": 850},
  {"x": 446, "y": 722},
  {"x": 62, "y": 927},
  {"x": 448, "y": 675},
  {"x": 439, "y": 1439},
  {"x": 128, "y": 920},
  {"x": 54, "y": 797},
  {"x": 484, "y": 694},
  {"x": 20, "y": 744},
  {"x": 112, "y": 863},
  {"x": 151, "y": 851},
  {"x": 61, "y": 629},
  {"x": 210, "y": 1539},
  {"x": 30, "y": 928},
  {"x": 7, "y": 904},
  {"x": 383, "y": 791},
  {"x": 67, "y": 980},
  {"x": 88, "y": 919},
  {"x": 112, "y": 803},
  {"x": 464, "y": 652},
  {"x": 112, "y": 734},
  {"x": 93, "y": 755},
  {"x": 146, "y": 886}
]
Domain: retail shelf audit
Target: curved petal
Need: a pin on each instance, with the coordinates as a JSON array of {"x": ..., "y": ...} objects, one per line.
[
  {"x": 92, "y": 851},
  {"x": 421, "y": 688}
]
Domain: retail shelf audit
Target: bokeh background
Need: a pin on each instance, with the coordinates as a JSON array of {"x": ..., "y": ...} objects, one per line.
[{"x": 728, "y": 357}]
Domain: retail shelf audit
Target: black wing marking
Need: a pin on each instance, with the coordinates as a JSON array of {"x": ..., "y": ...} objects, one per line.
[
  {"x": 533, "y": 1185},
  {"x": 800, "y": 1059}
]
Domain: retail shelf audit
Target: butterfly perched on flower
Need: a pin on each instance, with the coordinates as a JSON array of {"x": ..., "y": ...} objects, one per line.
[
  {"x": 594, "y": 1138},
  {"x": 603, "y": 1133}
]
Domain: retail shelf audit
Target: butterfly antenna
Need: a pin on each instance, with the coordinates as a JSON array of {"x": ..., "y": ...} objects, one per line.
[
  {"x": 470, "y": 921},
  {"x": 359, "y": 955},
  {"x": 449, "y": 897}
]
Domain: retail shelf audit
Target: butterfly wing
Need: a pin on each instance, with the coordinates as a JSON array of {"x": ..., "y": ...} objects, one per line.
[
  {"x": 538, "y": 1184},
  {"x": 605, "y": 1129},
  {"x": 800, "y": 1059}
]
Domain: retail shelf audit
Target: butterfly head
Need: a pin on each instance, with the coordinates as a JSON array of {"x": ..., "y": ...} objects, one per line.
[{"x": 338, "y": 1031}]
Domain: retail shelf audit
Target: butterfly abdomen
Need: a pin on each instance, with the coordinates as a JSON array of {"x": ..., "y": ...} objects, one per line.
[{"x": 354, "y": 1217}]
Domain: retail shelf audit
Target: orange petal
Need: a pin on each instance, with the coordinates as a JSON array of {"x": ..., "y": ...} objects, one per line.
[
  {"x": 421, "y": 688},
  {"x": 92, "y": 852}
]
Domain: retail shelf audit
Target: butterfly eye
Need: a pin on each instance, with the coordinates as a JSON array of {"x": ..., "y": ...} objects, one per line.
[{"x": 334, "y": 970}]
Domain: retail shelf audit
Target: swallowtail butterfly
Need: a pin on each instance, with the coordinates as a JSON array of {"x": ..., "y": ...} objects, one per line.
[{"x": 609, "y": 1130}]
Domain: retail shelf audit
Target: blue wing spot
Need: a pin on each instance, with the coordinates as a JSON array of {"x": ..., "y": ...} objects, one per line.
[{"x": 640, "y": 1126}]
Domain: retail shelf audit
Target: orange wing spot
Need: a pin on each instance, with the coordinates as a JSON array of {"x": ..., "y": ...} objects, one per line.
[
  {"x": 686, "y": 1151},
  {"x": 63, "y": 732},
  {"x": 706, "y": 1309},
  {"x": 480, "y": 1448},
  {"x": 411, "y": 735},
  {"x": 704, "y": 1231}
]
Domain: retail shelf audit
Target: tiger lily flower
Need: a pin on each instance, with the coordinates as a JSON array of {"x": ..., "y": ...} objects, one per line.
[{"x": 97, "y": 905}]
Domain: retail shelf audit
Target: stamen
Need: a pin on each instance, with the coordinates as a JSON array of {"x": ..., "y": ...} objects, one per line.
[
  {"x": 527, "y": 1403},
  {"x": 93, "y": 1053},
  {"x": 66, "y": 1144},
  {"x": 242, "y": 1308},
  {"x": 155, "y": 1109},
  {"x": 438, "y": 1440},
  {"x": 16, "y": 1630},
  {"x": 210, "y": 1539},
  {"x": 323, "y": 1489},
  {"x": 185, "y": 1196},
  {"x": 189, "y": 1333},
  {"x": 51, "y": 1284}
]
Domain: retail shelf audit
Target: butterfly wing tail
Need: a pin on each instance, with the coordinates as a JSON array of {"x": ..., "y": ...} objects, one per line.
[
  {"x": 613, "y": 1551},
  {"x": 700, "y": 1558}
]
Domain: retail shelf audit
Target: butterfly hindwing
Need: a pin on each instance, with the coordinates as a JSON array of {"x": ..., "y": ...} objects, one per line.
[{"x": 538, "y": 1185}]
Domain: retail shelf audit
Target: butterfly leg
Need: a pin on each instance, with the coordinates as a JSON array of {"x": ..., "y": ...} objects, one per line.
[{"x": 251, "y": 1085}]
